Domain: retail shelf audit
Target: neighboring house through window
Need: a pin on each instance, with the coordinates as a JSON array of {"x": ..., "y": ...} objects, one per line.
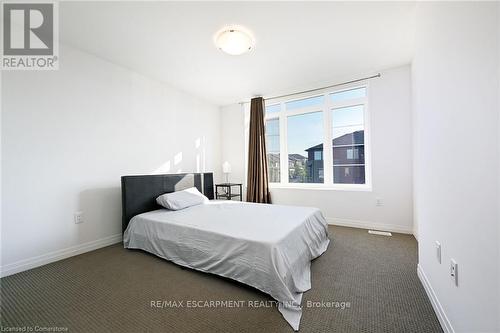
[{"x": 297, "y": 130}]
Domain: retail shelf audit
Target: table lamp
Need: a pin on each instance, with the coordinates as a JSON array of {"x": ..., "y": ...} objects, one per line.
[{"x": 226, "y": 169}]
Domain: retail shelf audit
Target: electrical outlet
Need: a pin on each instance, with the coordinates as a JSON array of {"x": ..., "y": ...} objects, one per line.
[
  {"x": 438, "y": 251},
  {"x": 78, "y": 217},
  {"x": 379, "y": 202},
  {"x": 454, "y": 271}
]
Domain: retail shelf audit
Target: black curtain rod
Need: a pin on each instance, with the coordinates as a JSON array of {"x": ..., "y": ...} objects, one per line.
[{"x": 322, "y": 88}]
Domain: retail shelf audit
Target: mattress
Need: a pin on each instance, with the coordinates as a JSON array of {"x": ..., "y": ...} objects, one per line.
[{"x": 269, "y": 247}]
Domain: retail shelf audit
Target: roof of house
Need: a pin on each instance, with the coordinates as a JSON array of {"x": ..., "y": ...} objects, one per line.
[
  {"x": 296, "y": 157},
  {"x": 274, "y": 157},
  {"x": 356, "y": 137}
]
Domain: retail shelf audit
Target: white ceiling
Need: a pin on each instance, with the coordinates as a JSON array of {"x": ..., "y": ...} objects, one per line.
[{"x": 299, "y": 45}]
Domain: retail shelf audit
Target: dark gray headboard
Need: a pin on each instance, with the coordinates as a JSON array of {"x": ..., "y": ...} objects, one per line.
[{"x": 139, "y": 193}]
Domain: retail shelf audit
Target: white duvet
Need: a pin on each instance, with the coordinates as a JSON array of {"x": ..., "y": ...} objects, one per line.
[{"x": 269, "y": 247}]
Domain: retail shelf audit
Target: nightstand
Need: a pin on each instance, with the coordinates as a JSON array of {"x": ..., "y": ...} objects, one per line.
[{"x": 225, "y": 191}]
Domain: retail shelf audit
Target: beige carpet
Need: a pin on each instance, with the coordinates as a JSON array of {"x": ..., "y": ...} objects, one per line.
[{"x": 111, "y": 290}]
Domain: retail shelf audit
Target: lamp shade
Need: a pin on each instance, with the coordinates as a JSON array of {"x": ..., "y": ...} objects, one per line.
[
  {"x": 226, "y": 167},
  {"x": 234, "y": 40}
]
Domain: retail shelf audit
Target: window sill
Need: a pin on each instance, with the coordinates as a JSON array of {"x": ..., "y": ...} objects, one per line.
[{"x": 322, "y": 187}]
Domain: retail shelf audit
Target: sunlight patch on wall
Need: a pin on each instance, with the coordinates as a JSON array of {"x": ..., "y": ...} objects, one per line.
[
  {"x": 199, "y": 144},
  {"x": 164, "y": 168},
  {"x": 178, "y": 158}
]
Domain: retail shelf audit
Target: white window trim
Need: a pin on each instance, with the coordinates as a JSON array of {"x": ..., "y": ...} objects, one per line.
[{"x": 326, "y": 108}]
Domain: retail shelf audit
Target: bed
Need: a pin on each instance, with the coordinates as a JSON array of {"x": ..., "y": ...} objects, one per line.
[{"x": 269, "y": 247}]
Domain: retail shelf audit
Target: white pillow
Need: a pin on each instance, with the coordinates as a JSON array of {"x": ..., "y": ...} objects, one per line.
[{"x": 182, "y": 199}]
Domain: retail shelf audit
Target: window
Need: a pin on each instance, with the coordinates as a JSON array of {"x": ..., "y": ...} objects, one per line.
[
  {"x": 305, "y": 102},
  {"x": 299, "y": 130},
  {"x": 273, "y": 108},
  {"x": 305, "y": 157},
  {"x": 352, "y": 153},
  {"x": 348, "y": 94},
  {"x": 318, "y": 155},
  {"x": 273, "y": 149},
  {"x": 348, "y": 145}
]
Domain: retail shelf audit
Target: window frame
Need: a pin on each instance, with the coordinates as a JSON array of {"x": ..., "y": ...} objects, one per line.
[
  {"x": 266, "y": 119},
  {"x": 326, "y": 108}
]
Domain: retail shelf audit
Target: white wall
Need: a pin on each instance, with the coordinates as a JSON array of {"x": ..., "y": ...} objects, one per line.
[
  {"x": 233, "y": 141},
  {"x": 68, "y": 136},
  {"x": 390, "y": 110},
  {"x": 498, "y": 106},
  {"x": 456, "y": 107}
]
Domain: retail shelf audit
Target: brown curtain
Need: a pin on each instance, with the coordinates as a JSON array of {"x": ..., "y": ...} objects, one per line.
[{"x": 257, "y": 181}]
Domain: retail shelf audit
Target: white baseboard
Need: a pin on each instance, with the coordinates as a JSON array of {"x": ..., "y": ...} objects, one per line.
[
  {"x": 47, "y": 258},
  {"x": 369, "y": 225},
  {"x": 415, "y": 233},
  {"x": 443, "y": 319}
]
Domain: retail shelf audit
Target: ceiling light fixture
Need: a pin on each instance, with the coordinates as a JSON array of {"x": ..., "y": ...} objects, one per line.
[{"x": 234, "y": 40}]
